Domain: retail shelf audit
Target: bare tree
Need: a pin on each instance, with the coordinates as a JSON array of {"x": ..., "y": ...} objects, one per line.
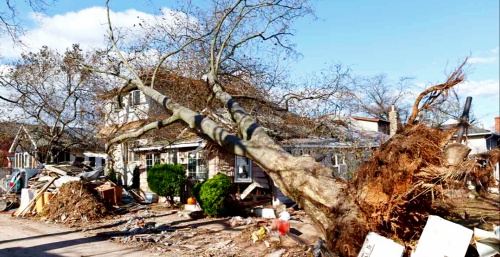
[
  {"x": 11, "y": 24},
  {"x": 49, "y": 91},
  {"x": 229, "y": 37},
  {"x": 375, "y": 95}
]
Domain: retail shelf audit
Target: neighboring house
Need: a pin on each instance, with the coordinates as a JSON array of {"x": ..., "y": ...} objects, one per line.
[
  {"x": 480, "y": 140},
  {"x": 8, "y": 131},
  {"x": 372, "y": 124},
  {"x": 30, "y": 146},
  {"x": 203, "y": 159}
]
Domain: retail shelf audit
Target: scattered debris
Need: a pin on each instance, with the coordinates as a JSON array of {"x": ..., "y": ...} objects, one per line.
[
  {"x": 277, "y": 253},
  {"x": 239, "y": 221},
  {"x": 487, "y": 243},
  {"x": 285, "y": 216},
  {"x": 443, "y": 238},
  {"x": 266, "y": 213},
  {"x": 259, "y": 234},
  {"x": 378, "y": 246}
]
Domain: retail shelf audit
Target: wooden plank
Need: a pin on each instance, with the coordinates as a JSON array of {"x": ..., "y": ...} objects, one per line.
[
  {"x": 35, "y": 198},
  {"x": 248, "y": 190},
  {"x": 56, "y": 170}
]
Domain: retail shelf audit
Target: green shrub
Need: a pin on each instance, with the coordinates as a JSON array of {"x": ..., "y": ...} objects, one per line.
[
  {"x": 212, "y": 195},
  {"x": 167, "y": 180}
]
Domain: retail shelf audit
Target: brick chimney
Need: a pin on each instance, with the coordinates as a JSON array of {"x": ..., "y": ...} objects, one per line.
[
  {"x": 393, "y": 121},
  {"x": 497, "y": 124}
]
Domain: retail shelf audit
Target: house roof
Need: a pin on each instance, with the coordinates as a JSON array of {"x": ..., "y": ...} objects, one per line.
[
  {"x": 280, "y": 124},
  {"x": 165, "y": 144},
  {"x": 471, "y": 130},
  {"x": 368, "y": 119}
]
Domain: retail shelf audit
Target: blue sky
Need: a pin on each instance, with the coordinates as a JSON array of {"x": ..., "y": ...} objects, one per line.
[{"x": 400, "y": 38}]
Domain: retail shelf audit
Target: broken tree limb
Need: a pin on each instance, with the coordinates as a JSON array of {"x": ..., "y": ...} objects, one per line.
[
  {"x": 143, "y": 130},
  {"x": 432, "y": 94},
  {"x": 464, "y": 120}
]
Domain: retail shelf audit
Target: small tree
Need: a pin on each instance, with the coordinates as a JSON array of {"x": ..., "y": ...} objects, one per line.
[
  {"x": 212, "y": 195},
  {"x": 167, "y": 180}
]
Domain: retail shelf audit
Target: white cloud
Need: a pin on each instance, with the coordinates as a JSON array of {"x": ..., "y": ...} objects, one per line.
[
  {"x": 87, "y": 27},
  {"x": 481, "y": 88},
  {"x": 482, "y": 60},
  {"x": 490, "y": 59}
]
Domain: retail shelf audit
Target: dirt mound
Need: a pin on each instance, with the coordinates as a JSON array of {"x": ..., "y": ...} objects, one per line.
[
  {"x": 75, "y": 202},
  {"x": 399, "y": 181}
]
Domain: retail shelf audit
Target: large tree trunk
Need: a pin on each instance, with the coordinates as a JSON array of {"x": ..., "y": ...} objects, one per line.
[{"x": 329, "y": 202}]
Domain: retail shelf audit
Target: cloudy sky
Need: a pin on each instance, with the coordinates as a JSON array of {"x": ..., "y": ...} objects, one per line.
[{"x": 422, "y": 39}]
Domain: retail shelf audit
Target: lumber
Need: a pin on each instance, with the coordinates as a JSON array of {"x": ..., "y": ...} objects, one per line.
[{"x": 35, "y": 198}]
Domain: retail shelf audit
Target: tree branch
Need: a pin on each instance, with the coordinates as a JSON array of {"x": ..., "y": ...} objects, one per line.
[{"x": 432, "y": 93}]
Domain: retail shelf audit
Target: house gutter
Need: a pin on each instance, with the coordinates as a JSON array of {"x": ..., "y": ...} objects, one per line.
[{"x": 174, "y": 146}]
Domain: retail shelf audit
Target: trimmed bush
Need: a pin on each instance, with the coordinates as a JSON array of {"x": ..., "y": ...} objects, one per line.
[
  {"x": 167, "y": 180},
  {"x": 212, "y": 195}
]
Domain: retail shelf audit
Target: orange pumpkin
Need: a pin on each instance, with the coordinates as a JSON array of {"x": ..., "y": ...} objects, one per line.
[{"x": 191, "y": 200}]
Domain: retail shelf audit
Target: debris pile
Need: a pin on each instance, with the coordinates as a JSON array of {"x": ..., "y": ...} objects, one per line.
[{"x": 75, "y": 201}]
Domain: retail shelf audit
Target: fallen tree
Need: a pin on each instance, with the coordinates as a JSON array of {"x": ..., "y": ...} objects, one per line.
[{"x": 391, "y": 188}]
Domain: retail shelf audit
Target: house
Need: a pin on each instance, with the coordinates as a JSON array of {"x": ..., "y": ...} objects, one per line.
[
  {"x": 480, "y": 140},
  {"x": 372, "y": 124},
  {"x": 30, "y": 147},
  {"x": 203, "y": 159},
  {"x": 8, "y": 131}
]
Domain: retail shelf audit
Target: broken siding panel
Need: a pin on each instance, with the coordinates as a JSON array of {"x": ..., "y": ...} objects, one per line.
[{"x": 260, "y": 176}]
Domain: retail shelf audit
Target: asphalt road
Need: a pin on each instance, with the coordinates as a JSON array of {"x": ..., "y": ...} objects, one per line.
[{"x": 28, "y": 238}]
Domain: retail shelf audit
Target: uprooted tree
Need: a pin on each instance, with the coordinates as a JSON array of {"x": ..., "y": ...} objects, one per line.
[{"x": 234, "y": 38}]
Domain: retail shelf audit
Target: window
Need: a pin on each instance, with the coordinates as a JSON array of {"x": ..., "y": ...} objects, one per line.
[
  {"x": 132, "y": 157},
  {"x": 338, "y": 165},
  {"x": 118, "y": 103},
  {"x": 23, "y": 164},
  {"x": 135, "y": 98},
  {"x": 172, "y": 157},
  {"x": 243, "y": 170},
  {"x": 63, "y": 157},
  {"x": 152, "y": 159},
  {"x": 125, "y": 152},
  {"x": 197, "y": 168},
  {"x": 92, "y": 161}
]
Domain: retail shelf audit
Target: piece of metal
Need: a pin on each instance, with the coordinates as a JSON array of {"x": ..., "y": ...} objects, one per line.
[{"x": 464, "y": 120}]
